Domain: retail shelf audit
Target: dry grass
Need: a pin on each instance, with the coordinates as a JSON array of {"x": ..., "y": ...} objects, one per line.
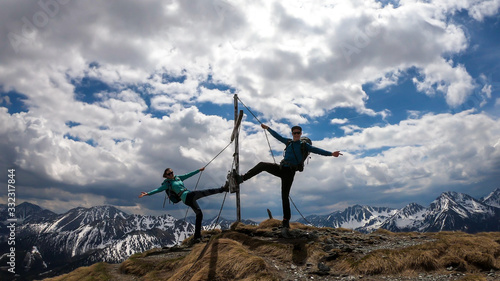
[
  {"x": 98, "y": 271},
  {"x": 221, "y": 259},
  {"x": 224, "y": 259},
  {"x": 139, "y": 265},
  {"x": 269, "y": 224},
  {"x": 264, "y": 226},
  {"x": 461, "y": 251},
  {"x": 286, "y": 251},
  {"x": 261, "y": 247},
  {"x": 249, "y": 252},
  {"x": 231, "y": 255}
]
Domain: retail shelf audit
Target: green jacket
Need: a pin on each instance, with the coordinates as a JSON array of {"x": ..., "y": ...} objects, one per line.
[{"x": 177, "y": 185}]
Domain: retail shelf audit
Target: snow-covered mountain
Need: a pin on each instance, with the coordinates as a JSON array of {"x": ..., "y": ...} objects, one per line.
[
  {"x": 103, "y": 229},
  {"x": 407, "y": 219},
  {"x": 493, "y": 199},
  {"x": 33, "y": 261},
  {"x": 360, "y": 218},
  {"x": 83, "y": 236},
  {"x": 222, "y": 223},
  {"x": 450, "y": 211},
  {"x": 459, "y": 211},
  {"x": 27, "y": 212}
]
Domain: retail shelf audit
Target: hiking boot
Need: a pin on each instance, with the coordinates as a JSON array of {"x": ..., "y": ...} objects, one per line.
[
  {"x": 285, "y": 233},
  {"x": 285, "y": 229},
  {"x": 225, "y": 188},
  {"x": 193, "y": 241}
]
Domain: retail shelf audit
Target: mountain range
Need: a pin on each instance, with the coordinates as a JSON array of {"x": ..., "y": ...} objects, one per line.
[
  {"x": 83, "y": 236},
  {"x": 451, "y": 211},
  {"x": 57, "y": 243}
]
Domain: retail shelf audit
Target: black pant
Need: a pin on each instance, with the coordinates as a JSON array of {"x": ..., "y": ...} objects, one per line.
[
  {"x": 285, "y": 173},
  {"x": 191, "y": 198}
]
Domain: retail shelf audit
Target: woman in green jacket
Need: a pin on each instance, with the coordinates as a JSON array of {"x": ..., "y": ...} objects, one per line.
[{"x": 176, "y": 185}]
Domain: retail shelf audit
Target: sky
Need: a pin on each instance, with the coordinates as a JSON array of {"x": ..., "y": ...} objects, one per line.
[{"x": 97, "y": 98}]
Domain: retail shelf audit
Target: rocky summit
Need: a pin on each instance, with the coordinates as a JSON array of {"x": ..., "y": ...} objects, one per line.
[{"x": 260, "y": 252}]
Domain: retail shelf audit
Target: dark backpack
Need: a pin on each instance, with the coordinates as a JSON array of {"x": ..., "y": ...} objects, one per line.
[
  {"x": 303, "y": 151},
  {"x": 172, "y": 196}
]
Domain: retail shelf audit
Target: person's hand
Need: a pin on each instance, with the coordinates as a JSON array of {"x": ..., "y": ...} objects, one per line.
[
  {"x": 264, "y": 126},
  {"x": 202, "y": 169},
  {"x": 336, "y": 154},
  {"x": 143, "y": 194}
]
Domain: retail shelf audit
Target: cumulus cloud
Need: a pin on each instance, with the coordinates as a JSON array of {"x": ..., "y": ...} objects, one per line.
[
  {"x": 306, "y": 51},
  {"x": 459, "y": 83},
  {"x": 434, "y": 147},
  {"x": 159, "y": 62},
  {"x": 339, "y": 121},
  {"x": 393, "y": 163}
]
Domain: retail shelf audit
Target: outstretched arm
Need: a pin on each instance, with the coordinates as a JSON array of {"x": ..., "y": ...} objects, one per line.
[
  {"x": 323, "y": 152},
  {"x": 188, "y": 175},
  {"x": 275, "y": 134},
  {"x": 336, "y": 154},
  {"x": 154, "y": 191}
]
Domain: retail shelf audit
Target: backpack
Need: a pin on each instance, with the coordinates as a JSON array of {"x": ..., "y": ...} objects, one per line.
[
  {"x": 172, "y": 196},
  {"x": 303, "y": 151}
]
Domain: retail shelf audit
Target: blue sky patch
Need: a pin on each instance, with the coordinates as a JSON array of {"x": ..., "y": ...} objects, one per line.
[
  {"x": 90, "y": 142},
  {"x": 211, "y": 85},
  {"x": 72, "y": 124},
  {"x": 87, "y": 88},
  {"x": 167, "y": 79},
  {"x": 13, "y": 101},
  {"x": 402, "y": 98}
]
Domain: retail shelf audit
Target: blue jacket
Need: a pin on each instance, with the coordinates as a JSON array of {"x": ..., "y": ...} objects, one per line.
[
  {"x": 289, "y": 157},
  {"x": 177, "y": 185}
]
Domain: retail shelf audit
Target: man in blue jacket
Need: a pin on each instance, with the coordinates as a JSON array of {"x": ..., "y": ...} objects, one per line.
[
  {"x": 292, "y": 158},
  {"x": 176, "y": 185}
]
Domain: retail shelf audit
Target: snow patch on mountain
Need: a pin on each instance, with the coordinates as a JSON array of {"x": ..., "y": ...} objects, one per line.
[
  {"x": 450, "y": 211},
  {"x": 493, "y": 199}
]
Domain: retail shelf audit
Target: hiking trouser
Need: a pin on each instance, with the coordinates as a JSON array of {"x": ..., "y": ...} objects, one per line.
[
  {"x": 191, "y": 198},
  {"x": 285, "y": 173}
]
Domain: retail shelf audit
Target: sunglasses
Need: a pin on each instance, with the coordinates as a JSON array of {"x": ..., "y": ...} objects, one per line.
[
  {"x": 169, "y": 173},
  {"x": 296, "y": 133}
]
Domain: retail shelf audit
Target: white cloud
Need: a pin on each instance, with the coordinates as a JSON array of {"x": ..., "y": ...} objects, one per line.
[
  {"x": 481, "y": 9},
  {"x": 214, "y": 96},
  {"x": 429, "y": 151},
  {"x": 349, "y": 129},
  {"x": 292, "y": 62},
  {"x": 162, "y": 103},
  {"x": 292, "y": 52},
  {"x": 406, "y": 160},
  {"x": 454, "y": 82},
  {"x": 339, "y": 121},
  {"x": 5, "y": 100}
]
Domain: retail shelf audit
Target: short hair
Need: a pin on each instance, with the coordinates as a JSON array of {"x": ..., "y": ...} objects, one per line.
[{"x": 296, "y": 127}]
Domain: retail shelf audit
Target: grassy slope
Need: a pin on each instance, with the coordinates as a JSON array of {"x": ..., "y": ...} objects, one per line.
[{"x": 254, "y": 253}]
